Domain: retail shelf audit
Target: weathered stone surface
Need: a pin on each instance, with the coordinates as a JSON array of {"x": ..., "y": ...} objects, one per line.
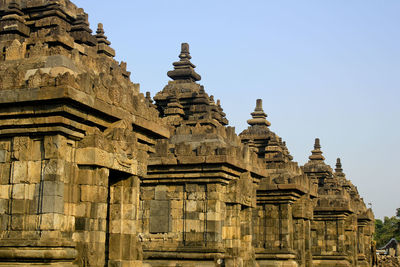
[
  {"x": 159, "y": 216},
  {"x": 3, "y": 156},
  {"x": 94, "y": 173}
]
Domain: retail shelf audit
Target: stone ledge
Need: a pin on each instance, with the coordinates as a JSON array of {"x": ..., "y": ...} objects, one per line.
[
  {"x": 37, "y": 254},
  {"x": 182, "y": 255},
  {"x": 90, "y": 102}
]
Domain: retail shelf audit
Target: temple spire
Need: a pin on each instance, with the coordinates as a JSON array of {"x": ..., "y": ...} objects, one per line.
[
  {"x": 184, "y": 69},
  {"x": 316, "y": 153},
  {"x": 259, "y": 116},
  {"x": 101, "y": 38},
  {"x": 338, "y": 169},
  {"x": 103, "y": 45}
]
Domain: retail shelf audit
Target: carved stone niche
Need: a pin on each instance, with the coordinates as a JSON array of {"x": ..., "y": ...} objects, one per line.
[
  {"x": 242, "y": 191},
  {"x": 114, "y": 149},
  {"x": 16, "y": 50}
]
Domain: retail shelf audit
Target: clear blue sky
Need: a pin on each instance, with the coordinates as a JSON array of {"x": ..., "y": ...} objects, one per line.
[{"x": 327, "y": 69}]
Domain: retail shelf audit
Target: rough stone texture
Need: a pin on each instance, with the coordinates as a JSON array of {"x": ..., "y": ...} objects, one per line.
[
  {"x": 74, "y": 141},
  {"x": 388, "y": 261},
  {"x": 94, "y": 173}
]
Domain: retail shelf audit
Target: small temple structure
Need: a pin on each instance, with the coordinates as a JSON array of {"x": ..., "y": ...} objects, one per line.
[{"x": 95, "y": 173}]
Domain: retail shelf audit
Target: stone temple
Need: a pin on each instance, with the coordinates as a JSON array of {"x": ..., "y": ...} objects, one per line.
[{"x": 95, "y": 173}]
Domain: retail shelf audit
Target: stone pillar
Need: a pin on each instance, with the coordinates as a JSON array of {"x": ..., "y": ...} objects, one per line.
[
  {"x": 121, "y": 240},
  {"x": 302, "y": 214},
  {"x": 363, "y": 244},
  {"x": 299, "y": 240},
  {"x": 308, "y": 244},
  {"x": 194, "y": 217},
  {"x": 286, "y": 226},
  {"x": 272, "y": 237},
  {"x": 231, "y": 230},
  {"x": 351, "y": 239},
  {"x": 246, "y": 229},
  {"x": 258, "y": 233},
  {"x": 341, "y": 236},
  {"x": 215, "y": 210},
  {"x": 91, "y": 215}
]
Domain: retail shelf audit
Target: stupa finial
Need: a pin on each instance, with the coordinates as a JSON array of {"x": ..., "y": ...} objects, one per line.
[
  {"x": 184, "y": 69},
  {"x": 259, "y": 105},
  {"x": 317, "y": 153},
  {"x": 259, "y": 116},
  {"x": 185, "y": 54},
  {"x": 338, "y": 166},
  {"x": 103, "y": 45},
  {"x": 317, "y": 144},
  {"x": 100, "y": 35},
  {"x": 100, "y": 28}
]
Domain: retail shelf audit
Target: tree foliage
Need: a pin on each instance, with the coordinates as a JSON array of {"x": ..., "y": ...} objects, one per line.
[{"x": 387, "y": 229}]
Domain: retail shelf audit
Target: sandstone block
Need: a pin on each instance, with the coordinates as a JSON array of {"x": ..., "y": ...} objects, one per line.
[
  {"x": 21, "y": 148},
  {"x": 193, "y": 225},
  {"x": 3, "y": 156},
  {"x": 5, "y": 191},
  {"x": 3, "y": 206},
  {"x": 5, "y": 173},
  {"x": 20, "y": 173},
  {"x": 54, "y": 170},
  {"x": 53, "y": 204},
  {"x": 159, "y": 216},
  {"x": 89, "y": 193},
  {"x": 18, "y": 191},
  {"x": 34, "y": 171},
  {"x": 129, "y": 227},
  {"x": 161, "y": 192},
  {"x": 116, "y": 226},
  {"x": 191, "y": 205},
  {"x": 53, "y": 188}
]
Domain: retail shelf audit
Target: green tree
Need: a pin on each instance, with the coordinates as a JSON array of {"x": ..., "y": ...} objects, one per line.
[{"x": 387, "y": 229}]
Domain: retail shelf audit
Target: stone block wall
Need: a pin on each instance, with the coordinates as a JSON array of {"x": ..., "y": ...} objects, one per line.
[
  {"x": 183, "y": 218},
  {"x": 34, "y": 206},
  {"x": 93, "y": 173}
]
